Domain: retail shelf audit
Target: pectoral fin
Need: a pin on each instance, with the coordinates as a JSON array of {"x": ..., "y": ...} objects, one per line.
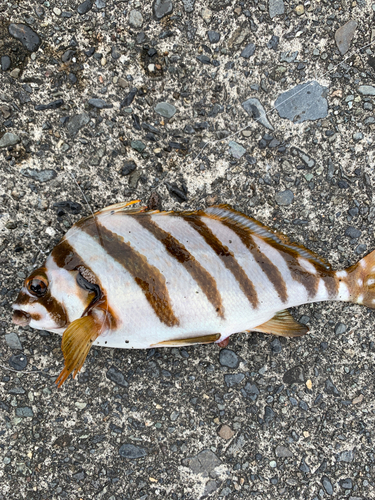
[
  {"x": 282, "y": 324},
  {"x": 204, "y": 339},
  {"x": 76, "y": 344}
]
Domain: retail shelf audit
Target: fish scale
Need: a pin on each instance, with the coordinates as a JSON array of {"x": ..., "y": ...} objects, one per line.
[{"x": 138, "y": 279}]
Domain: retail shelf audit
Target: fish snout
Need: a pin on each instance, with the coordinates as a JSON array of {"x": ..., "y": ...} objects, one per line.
[{"x": 21, "y": 318}]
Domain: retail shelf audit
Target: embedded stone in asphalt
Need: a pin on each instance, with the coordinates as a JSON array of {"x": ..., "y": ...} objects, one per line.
[{"x": 306, "y": 101}]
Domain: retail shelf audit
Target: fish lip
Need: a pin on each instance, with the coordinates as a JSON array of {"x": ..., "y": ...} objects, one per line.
[{"x": 21, "y": 318}]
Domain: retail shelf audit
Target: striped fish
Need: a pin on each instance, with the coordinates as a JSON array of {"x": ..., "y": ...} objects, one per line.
[{"x": 138, "y": 279}]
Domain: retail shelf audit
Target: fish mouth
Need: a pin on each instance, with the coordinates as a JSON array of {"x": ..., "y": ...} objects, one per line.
[{"x": 21, "y": 318}]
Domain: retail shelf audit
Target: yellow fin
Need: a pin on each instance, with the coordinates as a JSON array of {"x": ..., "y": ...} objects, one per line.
[
  {"x": 76, "y": 344},
  {"x": 204, "y": 339},
  {"x": 282, "y": 324}
]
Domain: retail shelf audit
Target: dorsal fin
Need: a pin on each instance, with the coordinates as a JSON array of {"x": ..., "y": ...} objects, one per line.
[
  {"x": 231, "y": 216},
  {"x": 118, "y": 207}
]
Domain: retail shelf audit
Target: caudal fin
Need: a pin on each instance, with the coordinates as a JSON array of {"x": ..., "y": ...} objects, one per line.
[{"x": 360, "y": 281}]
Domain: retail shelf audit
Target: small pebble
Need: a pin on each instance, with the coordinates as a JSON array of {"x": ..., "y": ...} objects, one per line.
[
  {"x": 84, "y": 7},
  {"x": 165, "y": 109},
  {"x": 225, "y": 432},
  {"x": 284, "y": 198},
  {"x": 5, "y": 63},
  {"x": 135, "y": 19},
  {"x": 18, "y": 362},
  {"x": 229, "y": 358},
  {"x": 300, "y": 9},
  {"x": 13, "y": 341}
]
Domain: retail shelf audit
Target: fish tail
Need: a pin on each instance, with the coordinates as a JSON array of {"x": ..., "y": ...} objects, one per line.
[{"x": 357, "y": 283}]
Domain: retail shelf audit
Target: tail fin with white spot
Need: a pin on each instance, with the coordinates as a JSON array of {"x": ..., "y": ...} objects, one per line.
[{"x": 360, "y": 281}]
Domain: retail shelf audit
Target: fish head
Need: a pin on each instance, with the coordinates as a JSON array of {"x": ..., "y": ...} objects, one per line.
[
  {"x": 51, "y": 298},
  {"x": 36, "y": 305}
]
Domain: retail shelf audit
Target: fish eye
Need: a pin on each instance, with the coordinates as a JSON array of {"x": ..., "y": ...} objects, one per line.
[{"x": 37, "y": 286}]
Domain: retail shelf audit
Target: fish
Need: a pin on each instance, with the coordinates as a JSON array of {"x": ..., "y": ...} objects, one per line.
[{"x": 135, "y": 278}]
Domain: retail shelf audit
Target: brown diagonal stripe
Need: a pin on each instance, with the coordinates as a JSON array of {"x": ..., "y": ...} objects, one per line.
[
  {"x": 66, "y": 257},
  {"x": 226, "y": 256},
  {"x": 147, "y": 276},
  {"x": 308, "y": 280},
  {"x": 269, "y": 269},
  {"x": 202, "y": 277}
]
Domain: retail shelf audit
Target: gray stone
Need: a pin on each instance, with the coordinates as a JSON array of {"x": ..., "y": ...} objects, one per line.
[
  {"x": 248, "y": 51},
  {"x": 294, "y": 375},
  {"x": 256, "y": 110},
  {"x": 24, "y": 411},
  {"x": 357, "y": 136},
  {"x": 218, "y": 5},
  {"x": 276, "y": 346},
  {"x": 39, "y": 175},
  {"x": 116, "y": 376},
  {"x": 340, "y": 328},
  {"x": 309, "y": 162},
  {"x": 129, "y": 98},
  {"x": 17, "y": 390},
  {"x": 234, "y": 379},
  {"x": 236, "y": 150},
  {"x": 13, "y": 341},
  {"x": 165, "y": 109},
  {"x": 132, "y": 452},
  {"x": 115, "y": 52},
  {"x": 5, "y": 63},
  {"x": 346, "y": 456},
  {"x": 18, "y": 362},
  {"x": 9, "y": 139},
  {"x": 344, "y": 36},
  {"x": 29, "y": 39},
  {"x": 203, "y": 463},
  {"x": 135, "y": 19},
  {"x": 162, "y": 8},
  {"x": 275, "y": 8},
  {"x": 327, "y": 485},
  {"x": 100, "y": 4},
  {"x": 228, "y": 358},
  {"x": 128, "y": 168},
  {"x": 353, "y": 232},
  {"x": 284, "y": 198},
  {"x": 283, "y": 452},
  {"x": 210, "y": 487},
  {"x": 346, "y": 484},
  {"x": 366, "y": 90},
  {"x": 77, "y": 122},
  {"x": 138, "y": 146},
  {"x": 269, "y": 414},
  {"x": 188, "y": 5},
  {"x": 361, "y": 249},
  {"x": 99, "y": 103},
  {"x": 84, "y": 7},
  {"x": 250, "y": 391},
  {"x": 306, "y": 101},
  {"x": 330, "y": 388},
  {"x": 213, "y": 36},
  {"x": 288, "y": 57}
]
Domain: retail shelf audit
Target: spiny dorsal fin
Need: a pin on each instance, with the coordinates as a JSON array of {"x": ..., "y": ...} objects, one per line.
[
  {"x": 282, "y": 324},
  {"x": 232, "y": 216},
  {"x": 118, "y": 207},
  {"x": 204, "y": 339},
  {"x": 76, "y": 344}
]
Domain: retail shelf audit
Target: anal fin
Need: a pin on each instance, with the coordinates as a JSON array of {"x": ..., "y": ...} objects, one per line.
[
  {"x": 203, "y": 339},
  {"x": 282, "y": 324},
  {"x": 76, "y": 344}
]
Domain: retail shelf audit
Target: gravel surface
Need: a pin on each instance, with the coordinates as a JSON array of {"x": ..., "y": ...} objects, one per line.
[{"x": 183, "y": 104}]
